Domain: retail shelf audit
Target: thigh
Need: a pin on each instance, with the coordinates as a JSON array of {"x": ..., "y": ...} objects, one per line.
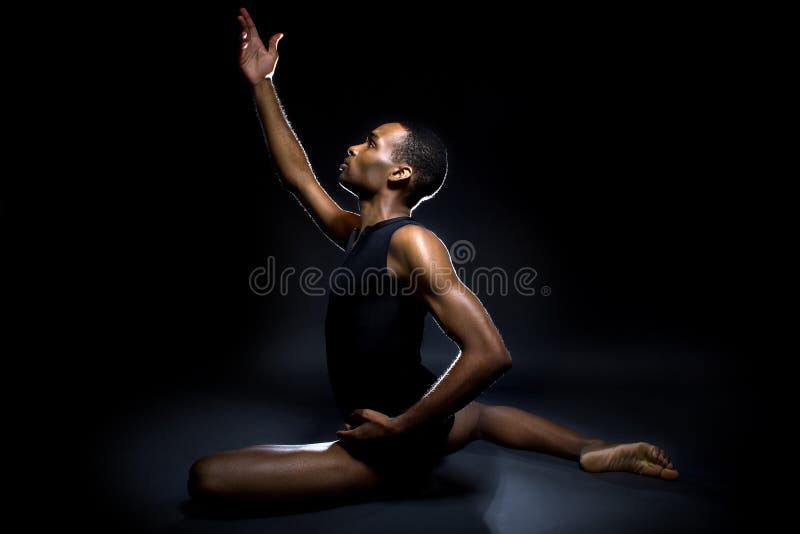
[
  {"x": 408, "y": 459},
  {"x": 465, "y": 428},
  {"x": 282, "y": 474}
]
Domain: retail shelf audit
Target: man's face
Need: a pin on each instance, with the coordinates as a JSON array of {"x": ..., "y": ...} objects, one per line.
[{"x": 369, "y": 164}]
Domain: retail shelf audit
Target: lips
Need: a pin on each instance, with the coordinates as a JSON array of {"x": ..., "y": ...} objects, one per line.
[{"x": 343, "y": 166}]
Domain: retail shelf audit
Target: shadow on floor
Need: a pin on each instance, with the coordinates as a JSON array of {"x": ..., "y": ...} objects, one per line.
[{"x": 143, "y": 462}]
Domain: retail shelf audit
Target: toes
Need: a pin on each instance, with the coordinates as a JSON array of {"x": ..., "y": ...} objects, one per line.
[
  {"x": 658, "y": 471},
  {"x": 669, "y": 474},
  {"x": 663, "y": 457},
  {"x": 658, "y": 455},
  {"x": 648, "y": 469}
]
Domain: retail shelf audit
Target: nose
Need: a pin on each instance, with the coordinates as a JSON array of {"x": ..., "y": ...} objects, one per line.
[{"x": 351, "y": 152}]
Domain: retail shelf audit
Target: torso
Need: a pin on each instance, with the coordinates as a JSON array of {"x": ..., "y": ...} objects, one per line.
[
  {"x": 373, "y": 339},
  {"x": 394, "y": 264}
]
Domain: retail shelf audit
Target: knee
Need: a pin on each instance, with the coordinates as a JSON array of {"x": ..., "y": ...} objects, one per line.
[
  {"x": 477, "y": 422},
  {"x": 205, "y": 480}
]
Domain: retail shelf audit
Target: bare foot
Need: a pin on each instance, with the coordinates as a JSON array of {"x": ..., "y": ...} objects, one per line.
[{"x": 643, "y": 458}]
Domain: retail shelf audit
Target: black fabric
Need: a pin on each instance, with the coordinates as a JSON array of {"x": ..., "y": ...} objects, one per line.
[{"x": 373, "y": 333}]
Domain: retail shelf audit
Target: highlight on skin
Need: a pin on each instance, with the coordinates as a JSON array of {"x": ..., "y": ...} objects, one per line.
[{"x": 291, "y": 475}]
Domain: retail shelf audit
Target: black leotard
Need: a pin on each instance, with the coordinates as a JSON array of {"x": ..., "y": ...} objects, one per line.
[{"x": 373, "y": 333}]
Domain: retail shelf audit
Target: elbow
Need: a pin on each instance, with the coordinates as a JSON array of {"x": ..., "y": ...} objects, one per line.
[
  {"x": 493, "y": 358},
  {"x": 503, "y": 359}
]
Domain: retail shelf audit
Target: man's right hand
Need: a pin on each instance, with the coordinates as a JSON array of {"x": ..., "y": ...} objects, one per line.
[{"x": 256, "y": 61}]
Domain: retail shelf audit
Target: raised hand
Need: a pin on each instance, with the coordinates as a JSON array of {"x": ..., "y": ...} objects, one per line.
[{"x": 257, "y": 61}]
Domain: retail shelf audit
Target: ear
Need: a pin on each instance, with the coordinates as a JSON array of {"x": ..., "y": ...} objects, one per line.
[{"x": 401, "y": 172}]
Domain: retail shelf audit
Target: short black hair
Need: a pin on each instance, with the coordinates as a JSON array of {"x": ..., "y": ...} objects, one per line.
[{"x": 424, "y": 150}]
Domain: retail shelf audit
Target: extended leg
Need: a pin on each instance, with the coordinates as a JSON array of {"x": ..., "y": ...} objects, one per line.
[
  {"x": 518, "y": 429},
  {"x": 283, "y": 477}
]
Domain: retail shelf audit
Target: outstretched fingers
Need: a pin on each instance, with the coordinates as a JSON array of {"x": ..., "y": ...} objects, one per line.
[
  {"x": 249, "y": 25},
  {"x": 245, "y": 36}
]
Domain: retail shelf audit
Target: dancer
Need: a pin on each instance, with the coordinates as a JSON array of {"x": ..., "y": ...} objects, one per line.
[{"x": 400, "y": 420}]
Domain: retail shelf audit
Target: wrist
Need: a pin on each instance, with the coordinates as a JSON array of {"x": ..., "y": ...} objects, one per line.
[
  {"x": 406, "y": 422},
  {"x": 262, "y": 83},
  {"x": 400, "y": 424}
]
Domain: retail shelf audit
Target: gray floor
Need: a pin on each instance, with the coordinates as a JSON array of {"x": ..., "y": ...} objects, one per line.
[{"x": 143, "y": 456}]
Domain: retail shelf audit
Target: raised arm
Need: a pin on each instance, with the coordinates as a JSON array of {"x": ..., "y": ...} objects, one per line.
[{"x": 258, "y": 63}]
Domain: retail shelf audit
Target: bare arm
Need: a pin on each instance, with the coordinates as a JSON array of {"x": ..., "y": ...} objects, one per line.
[
  {"x": 258, "y": 63},
  {"x": 483, "y": 357}
]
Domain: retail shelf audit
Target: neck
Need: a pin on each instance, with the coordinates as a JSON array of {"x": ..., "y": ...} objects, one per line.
[{"x": 373, "y": 212}]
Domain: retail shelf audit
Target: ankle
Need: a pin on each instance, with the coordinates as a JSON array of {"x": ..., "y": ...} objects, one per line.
[{"x": 593, "y": 445}]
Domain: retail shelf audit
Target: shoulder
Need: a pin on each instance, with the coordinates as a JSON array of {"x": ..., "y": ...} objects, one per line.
[{"x": 415, "y": 247}]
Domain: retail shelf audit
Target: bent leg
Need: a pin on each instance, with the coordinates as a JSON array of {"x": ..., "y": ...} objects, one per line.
[
  {"x": 282, "y": 476},
  {"x": 465, "y": 427}
]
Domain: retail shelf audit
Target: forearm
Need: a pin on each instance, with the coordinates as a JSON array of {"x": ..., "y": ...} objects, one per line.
[
  {"x": 468, "y": 376},
  {"x": 286, "y": 150}
]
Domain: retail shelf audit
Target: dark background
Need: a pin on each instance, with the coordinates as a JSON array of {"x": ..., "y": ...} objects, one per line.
[
  {"x": 591, "y": 152},
  {"x": 585, "y": 146}
]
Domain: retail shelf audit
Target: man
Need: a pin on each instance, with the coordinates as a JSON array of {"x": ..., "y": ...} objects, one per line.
[{"x": 400, "y": 420}]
